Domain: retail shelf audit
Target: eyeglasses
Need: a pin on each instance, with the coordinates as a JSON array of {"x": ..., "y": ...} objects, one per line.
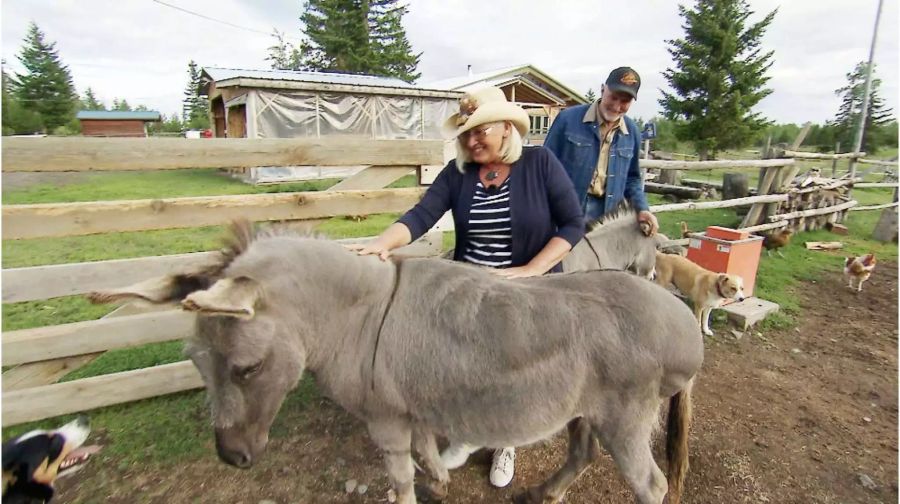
[{"x": 477, "y": 133}]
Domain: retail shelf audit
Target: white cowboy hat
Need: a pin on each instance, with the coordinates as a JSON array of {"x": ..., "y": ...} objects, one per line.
[{"x": 482, "y": 106}]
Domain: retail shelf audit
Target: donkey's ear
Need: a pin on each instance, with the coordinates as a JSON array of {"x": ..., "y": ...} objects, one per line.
[
  {"x": 155, "y": 290},
  {"x": 230, "y": 297}
]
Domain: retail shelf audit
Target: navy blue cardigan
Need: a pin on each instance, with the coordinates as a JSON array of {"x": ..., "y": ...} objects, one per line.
[{"x": 543, "y": 204}]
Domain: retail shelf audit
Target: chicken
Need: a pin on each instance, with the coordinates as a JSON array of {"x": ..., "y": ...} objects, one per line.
[
  {"x": 684, "y": 230},
  {"x": 776, "y": 240},
  {"x": 859, "y": 269}
]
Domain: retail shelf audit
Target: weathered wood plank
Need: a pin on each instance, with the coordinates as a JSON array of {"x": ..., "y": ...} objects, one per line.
[
  {"x": 709, "y": 165},
  {"x": 815, "y": 211},
  {"x": 878, "y": 162},
  {"x": 43, "y": 282},
  {"x": 736, "y": 202},
  {"x": 70, "y": 219},
  {"x": 815, "y": 155},
  {"x": 373, "y": 177},
  {"x": 104, "y": 154},
  {"x": 875, "y": 207},
  {"x": 54, "y": 342},
  {"x": 37, "y": 403}
]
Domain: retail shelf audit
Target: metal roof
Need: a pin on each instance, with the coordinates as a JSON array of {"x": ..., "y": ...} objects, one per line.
[
  {"x": 221, "y": 74},
  {"x": 121, "y": 115}
]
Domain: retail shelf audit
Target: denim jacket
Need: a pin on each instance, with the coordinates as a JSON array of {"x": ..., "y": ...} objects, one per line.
[{"x": 577, "y": 145}]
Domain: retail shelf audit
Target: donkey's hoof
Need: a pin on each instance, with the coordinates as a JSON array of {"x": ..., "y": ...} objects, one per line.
[
  {"x": 434, "y": 491},
  {"x": 530, "y": 496}
]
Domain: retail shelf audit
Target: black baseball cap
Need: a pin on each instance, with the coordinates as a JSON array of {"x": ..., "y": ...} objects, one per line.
[{"x": 624, "y": 79}]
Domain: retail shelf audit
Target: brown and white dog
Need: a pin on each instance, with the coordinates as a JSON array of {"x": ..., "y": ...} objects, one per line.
[
  {"x": 859, "y": 269},
  {"x": 33, "y": 461},
  {"x": 706, "y": 289}
]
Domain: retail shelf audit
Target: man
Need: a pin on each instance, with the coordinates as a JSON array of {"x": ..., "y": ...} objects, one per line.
[{"x": 599, "y": 147}]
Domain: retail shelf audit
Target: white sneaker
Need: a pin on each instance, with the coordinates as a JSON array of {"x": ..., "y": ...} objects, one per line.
[
  {"x": 503, "y": 467},
  {"x": 456, "y": 455}
]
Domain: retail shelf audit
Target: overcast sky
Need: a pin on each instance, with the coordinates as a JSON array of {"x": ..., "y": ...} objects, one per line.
[{"x": 139, "y": 49}]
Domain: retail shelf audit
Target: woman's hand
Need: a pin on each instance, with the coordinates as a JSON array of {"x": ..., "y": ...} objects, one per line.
[
  {"x": 518, "y": 272},
  {"x": 371, "y": 248}
]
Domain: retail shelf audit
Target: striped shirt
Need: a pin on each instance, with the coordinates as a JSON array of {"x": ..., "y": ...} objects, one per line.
[{"x": 490, "y": 231}]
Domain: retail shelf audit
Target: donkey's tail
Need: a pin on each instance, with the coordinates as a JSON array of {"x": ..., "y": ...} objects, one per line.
[{"x": 678, "y": 425}]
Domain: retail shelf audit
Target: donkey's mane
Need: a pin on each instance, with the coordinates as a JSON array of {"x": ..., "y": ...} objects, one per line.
[
  {"x": 622, "y": 211},
  {"x": 241, "y": 234}
]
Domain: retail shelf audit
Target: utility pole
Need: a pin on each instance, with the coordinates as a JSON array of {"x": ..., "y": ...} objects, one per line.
[{"x": 857, "y": 144}]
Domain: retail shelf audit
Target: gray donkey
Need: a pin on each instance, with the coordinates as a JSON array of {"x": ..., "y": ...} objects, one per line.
[
  {"x": 423, "y": 347},
  {"x": 615, "y": 241}
]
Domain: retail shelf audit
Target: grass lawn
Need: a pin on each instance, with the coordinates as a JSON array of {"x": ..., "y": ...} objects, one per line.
[{"x": 176, "y": 427}]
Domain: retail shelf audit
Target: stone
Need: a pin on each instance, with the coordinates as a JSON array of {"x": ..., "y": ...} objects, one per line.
[
  {"x": 350, "y": 486},
  {"x": 867, "y": 482},
  {"x": 362, "y": 489}
]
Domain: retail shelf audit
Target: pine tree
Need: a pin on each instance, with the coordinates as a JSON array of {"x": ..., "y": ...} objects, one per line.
[
  {"x": 195, "y": 109},
  {"x": 719, "y": 76},
  {"x": 357, "y": 36},
  {"x": 90, "y": 101},
  {"x": 392, "y": 50},
  {"x": 121, "y": 105},
  {"x": 15, "y": 118},
  {"x": 283, "y": 55},
  {"x": 590, "y": 95},
  {"x": 846, "y": 122},
  {"x": 47, "y": 87}
]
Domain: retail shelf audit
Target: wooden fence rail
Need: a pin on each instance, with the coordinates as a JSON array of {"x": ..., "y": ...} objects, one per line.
[
  {"x": 47, "y": 401},
  {"x": 71, "y": 219},
  {"x": 709, "y": 165},
  {"x": 116, "y": 154},
  {"x": 55, "y": 280}
]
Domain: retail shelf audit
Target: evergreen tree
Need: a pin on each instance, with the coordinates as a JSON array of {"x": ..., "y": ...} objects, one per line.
[
  {"x": 195, "y": 109},
  {"x": 357, "y": 36},
  {"x": 392, "y": 50},
  {"x": 121, "y": 105},
  {"x": 90, "y": 101},
  {"x": 337, "y": 36},
  {"x": 590, "y": 95},
  {"x": 46, "y": 88},
  {"x": 283, "y": 55},
  {"x": 15, "y": 118},
  {"x": 719, "y": 76},
  {"x": 846, "y": 122}
]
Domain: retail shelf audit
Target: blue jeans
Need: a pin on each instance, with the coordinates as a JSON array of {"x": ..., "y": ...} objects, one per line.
[{"x": 593, "y": 208}]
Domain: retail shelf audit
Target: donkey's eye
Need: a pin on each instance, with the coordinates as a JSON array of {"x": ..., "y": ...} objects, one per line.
[{"x": 247, "y": 372}]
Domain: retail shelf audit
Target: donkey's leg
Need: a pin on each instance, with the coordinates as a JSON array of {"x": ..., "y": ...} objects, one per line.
[
  {"x": 583, "y": 450},
  {"x": 627, "y": 439},
  {"x": 394, "y": 437},
  {"x": 439, "y": 477}
]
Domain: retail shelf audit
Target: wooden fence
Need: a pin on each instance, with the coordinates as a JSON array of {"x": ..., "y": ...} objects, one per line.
[{"x": 42, "y": 355}]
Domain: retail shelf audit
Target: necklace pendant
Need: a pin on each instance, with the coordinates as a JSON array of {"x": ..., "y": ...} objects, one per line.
[{"x": 491, "y": 175}]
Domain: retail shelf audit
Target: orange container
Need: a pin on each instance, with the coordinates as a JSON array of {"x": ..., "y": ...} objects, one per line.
[{"x": 725, "y": 250}]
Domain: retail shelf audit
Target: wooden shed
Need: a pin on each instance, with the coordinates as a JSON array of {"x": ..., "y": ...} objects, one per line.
[{"x": 116, "y": 123}]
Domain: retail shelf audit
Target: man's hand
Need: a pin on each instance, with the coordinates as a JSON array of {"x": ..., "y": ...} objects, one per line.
[{"x": 647, "y": 221}]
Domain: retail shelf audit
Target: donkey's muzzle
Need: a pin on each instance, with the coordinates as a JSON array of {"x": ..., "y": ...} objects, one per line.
[{"x": 233, "y": 453}]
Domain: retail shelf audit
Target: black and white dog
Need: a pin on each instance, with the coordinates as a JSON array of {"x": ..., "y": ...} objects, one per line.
[{"x": 33, "y": 461}]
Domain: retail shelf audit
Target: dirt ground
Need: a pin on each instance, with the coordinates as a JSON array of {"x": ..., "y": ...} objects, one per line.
[{"x": 805, "y": 415}]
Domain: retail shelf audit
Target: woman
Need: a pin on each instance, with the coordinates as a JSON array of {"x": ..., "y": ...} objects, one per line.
[{"x": 515, "y": 210}]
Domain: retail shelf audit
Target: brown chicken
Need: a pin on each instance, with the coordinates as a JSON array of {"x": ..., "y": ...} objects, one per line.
[
  {"x": 684, "y": 230},
  {"x": 776, "y": 240},
  {"x": 859, "y": 269}
]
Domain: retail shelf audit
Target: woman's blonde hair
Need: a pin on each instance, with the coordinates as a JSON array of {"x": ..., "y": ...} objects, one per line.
[{"x": 510, "y": 149}]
